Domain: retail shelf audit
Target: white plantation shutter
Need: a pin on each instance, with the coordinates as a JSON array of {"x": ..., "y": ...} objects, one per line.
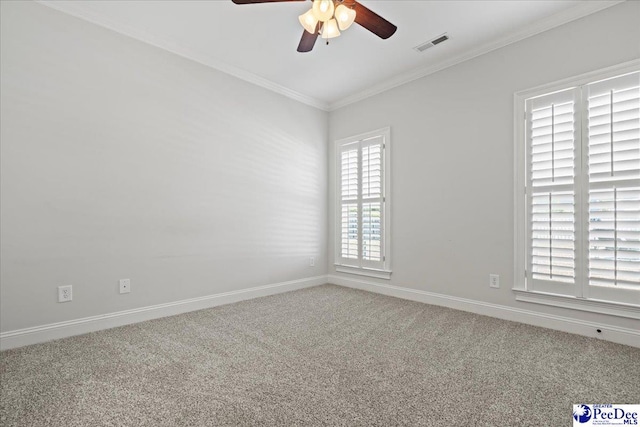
[
  {"x": 583, "y": 191},
  {"x": 371, "y": 201},
  {"x": 614, "y": 187},
  {"x": 349, "y": 175},
  {"x": 552, "y": 130},
  {"x": 361, "y": 239}
]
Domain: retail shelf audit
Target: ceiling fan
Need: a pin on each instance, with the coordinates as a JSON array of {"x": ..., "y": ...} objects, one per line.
[{"x": 327, "y": 17}]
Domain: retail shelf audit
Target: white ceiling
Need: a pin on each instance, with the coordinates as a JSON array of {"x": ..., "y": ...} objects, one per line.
[{"x": 258, "y": 42}]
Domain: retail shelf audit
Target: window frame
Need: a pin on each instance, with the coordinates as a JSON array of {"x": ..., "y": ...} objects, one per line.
[
  {"x": 579, "y": 301},
  {"x": 360, "y": 266}
]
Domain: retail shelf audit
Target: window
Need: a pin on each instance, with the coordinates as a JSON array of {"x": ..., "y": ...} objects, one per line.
[
  {"x": 578, "y": 218},
  {"x": 362, "y": 193}
]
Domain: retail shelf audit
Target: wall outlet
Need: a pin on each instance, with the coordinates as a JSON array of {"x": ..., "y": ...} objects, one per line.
[
  {"x": 125, "y": 286},
  {"x": 312, "y": 261},
  {"x": 65, "y": 293},
  {"x": 494, "y": 280}
]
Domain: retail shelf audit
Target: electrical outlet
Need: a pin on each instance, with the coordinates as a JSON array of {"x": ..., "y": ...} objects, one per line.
[
  {"x": 494, "y": 280},
  {"x": 312, "y": 261},
  {"x": 65, "y": 293},
  {"x": 125, "y": 286}
]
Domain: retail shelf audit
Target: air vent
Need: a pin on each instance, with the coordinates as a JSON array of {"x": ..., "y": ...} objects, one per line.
[{"x": 424, "y": 46}]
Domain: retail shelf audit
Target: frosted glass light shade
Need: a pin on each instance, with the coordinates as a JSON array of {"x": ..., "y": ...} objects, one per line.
[
  {"x": 345, "y": 16},
  {"x": 330, "y": 29},
  {"x": 308, "y": 21},
  {"x": 323, "y": 10}
]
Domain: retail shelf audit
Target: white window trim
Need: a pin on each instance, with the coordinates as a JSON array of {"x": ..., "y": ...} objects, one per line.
[
  {"x": 385, "y": 272},
  {"x": 520, "y": 238},
  {"x": 364, "y": 271},
  {"x": 594, "y": 306}
]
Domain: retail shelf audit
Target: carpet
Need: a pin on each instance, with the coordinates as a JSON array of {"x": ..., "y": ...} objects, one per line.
[{"x": 326, "y": 355}]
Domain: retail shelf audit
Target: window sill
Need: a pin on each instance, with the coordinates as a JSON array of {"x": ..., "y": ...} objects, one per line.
[
  {"x": 362, "y": 271},
  {"x": 593, "y": 306}
]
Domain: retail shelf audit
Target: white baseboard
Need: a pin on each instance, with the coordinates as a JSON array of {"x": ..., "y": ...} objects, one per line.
[
  {"x": 52, "y": 331},
  {"x": 38, "y": 334},
  {"x": 611, "y": 333}
]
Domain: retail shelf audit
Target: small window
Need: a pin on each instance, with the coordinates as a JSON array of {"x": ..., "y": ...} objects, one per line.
[
  {"x": 362, "y": 217},
  {"x": 578, "y": 218}
]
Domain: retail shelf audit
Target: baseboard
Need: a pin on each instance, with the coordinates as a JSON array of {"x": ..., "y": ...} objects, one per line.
[
  {"x": 611, "y": 333},
  {"x": 38, "y": 334}
]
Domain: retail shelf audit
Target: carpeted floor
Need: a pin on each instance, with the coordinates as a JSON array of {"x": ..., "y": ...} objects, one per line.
[{"x": 321, "y": 356}]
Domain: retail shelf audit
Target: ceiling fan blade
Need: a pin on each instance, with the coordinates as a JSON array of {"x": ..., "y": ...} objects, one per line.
[
  {"x": 308, "y": 40},
  {"x": 260, "y": 1},
  {"x": 373, "y": 22}
]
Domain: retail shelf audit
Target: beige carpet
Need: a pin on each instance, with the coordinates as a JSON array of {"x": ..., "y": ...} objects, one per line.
[{"x": 321, "y": 356}]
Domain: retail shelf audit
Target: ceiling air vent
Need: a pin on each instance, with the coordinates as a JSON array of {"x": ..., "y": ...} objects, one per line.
[{"x": 424, "y": 46}]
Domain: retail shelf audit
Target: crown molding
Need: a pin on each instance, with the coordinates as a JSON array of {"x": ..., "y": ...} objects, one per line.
[
  {"x": 579, "y": 11},
  {"x": 74, "y": 8}
]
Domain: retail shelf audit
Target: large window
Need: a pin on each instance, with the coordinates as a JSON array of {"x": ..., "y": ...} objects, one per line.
[
  {"x": 578, "y": 224},
  {"x": 362, "y": 193}
]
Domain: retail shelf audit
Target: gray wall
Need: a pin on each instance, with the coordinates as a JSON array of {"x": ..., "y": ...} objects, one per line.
[
  {"x": 120, "y": 160},
  {"x": 452, "y": 156}
]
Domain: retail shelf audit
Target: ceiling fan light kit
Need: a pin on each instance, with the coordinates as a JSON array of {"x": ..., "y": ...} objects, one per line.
[
  {"x": 327, "y": 18},
  {"x": 331, "y": 17}
]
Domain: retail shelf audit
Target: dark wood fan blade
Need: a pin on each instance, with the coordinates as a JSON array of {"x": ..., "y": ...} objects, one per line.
[
  {"x": 307, "y": 41},
  {"x": 373, "y": 22},
  {"x": 260, "y": 1}
]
